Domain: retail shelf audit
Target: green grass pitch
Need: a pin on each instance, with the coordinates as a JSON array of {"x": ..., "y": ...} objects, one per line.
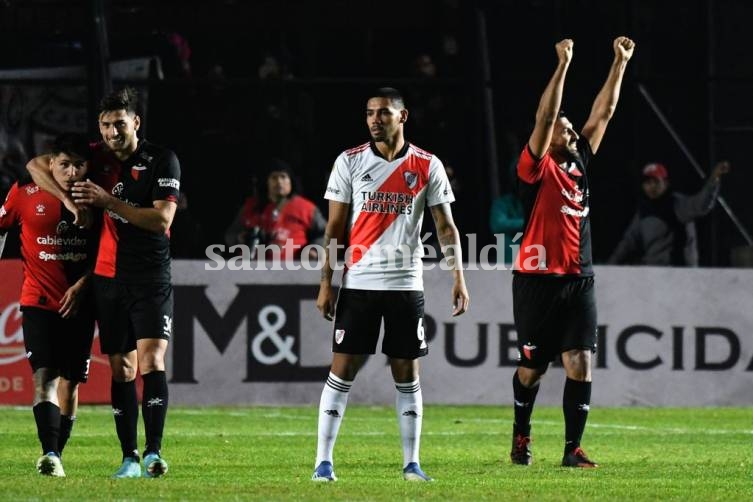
[{"x": 266, "y": 453}]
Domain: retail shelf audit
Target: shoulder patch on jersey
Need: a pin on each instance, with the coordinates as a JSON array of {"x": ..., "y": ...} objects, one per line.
[
  {"x": 358, "y": 149},
  {"x": 420, "y": 152}
]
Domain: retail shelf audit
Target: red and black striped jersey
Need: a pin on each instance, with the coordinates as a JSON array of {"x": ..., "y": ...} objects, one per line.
[
  {"x": 55, "y": 252},
  {"x": 128, "y": 253},
  {"x": 557, "y": 231}
]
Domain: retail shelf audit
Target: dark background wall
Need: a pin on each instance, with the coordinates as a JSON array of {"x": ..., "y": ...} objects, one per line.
[{"x": 231, "y": 110}]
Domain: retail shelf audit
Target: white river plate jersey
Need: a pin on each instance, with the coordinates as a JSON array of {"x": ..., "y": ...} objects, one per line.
[{"x": 387, "y": 202}]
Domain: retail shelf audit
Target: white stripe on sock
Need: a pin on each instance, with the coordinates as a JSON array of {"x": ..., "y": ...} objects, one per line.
[
  {"x": 331, "y": 410},
  {"x": 410, "y": 410}
]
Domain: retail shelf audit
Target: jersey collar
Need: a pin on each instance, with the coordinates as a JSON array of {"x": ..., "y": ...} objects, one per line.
[{"x": 403, "y": 151}]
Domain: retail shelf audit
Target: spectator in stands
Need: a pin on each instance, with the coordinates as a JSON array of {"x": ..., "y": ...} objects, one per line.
[
  {"x": 280, "y": 216},
  {"x": 424, "y": 67},
  {"x": 506, "y": 213},
  {"x": 662, "y": 232},
  {"x": 506, "y": 219}
]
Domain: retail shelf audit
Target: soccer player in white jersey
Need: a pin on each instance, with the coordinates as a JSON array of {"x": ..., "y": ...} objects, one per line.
[{"x": 379, "y": 190}]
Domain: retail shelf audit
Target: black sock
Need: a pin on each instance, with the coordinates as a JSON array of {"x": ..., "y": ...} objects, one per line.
[
  {"x": 125, "y": 410},
  {"x": 47, "y": 417},
  {"x": 576, "y": 401},
  {"x": 154, "y": 409},
  {"x": 524, "y": 399},
  {"x": 66, "y": 425}
]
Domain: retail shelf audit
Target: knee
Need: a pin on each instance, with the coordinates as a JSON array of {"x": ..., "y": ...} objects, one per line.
[
  {"x": 578, "y": 365},
  {"x": 404, "y": 370},
  {"x": 68, "y": 388},
  {"x": 124, "y": 374},
  {"x": 45, "y": 385},
  {"x": 47, "y": 392},
  {"x": 529, "y": 376},
  {"x": 151, "y": 361},
  {"x": 346, "y": 366},
  {"x": 122, "y": 369},
  {"x": 347, "y": 372}
]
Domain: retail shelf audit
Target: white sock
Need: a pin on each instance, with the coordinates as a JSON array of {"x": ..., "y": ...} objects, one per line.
[
  {"x": 410, "y": 411},
  {"x": 331, "y": 410}
]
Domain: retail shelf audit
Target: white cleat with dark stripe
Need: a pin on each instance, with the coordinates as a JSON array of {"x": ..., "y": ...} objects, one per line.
[
  {"x": 50, "y": 465},
  {"x": 413, "y": 472},
  {"x": 324, "y": 472}
]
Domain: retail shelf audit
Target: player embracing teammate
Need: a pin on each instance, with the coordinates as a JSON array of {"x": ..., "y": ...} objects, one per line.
[
  {"x": 138, "y": 187},
  {"x": 58, "y": 315}
]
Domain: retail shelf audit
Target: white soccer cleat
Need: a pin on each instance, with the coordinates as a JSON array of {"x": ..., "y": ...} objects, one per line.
[
  {"x": 50, "y": 465},
  {"x": 412, "y": 472}
]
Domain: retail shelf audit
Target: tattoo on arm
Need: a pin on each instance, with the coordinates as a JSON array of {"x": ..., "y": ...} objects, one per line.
[
  {"x": 327, "y": 268},
  {"x": 448, "y": 236},
  {"x": 449, "y": 240}
]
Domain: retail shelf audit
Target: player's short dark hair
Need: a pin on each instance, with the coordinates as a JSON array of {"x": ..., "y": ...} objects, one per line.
[
  {"x": 395, "y": 96},
  {"x": 122, "y": 99},
  {"x": 72, "y": 144}
]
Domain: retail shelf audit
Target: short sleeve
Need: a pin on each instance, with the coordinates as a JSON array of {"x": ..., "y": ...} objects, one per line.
[
  {"x": 439, "y": 190},
  {"x": 340, "y": 186},
  {"x": 167, "y": 185},
  {"x": 530, "y": 168},
  {"x": 8, "y": 211}
]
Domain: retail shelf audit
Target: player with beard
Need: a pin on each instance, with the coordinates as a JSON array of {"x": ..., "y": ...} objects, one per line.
[
  {"x": 138, "y": 185},
  {"x": 553, "y": 285},
  {"x": 379, "y": 191}
]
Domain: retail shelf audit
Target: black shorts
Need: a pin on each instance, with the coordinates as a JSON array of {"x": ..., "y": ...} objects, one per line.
[
  {"x": 359, "y": 314},
  {"x": 57, "y": 343},
  {"x": 130, "y": 312},
  {"x": 553, "y": 315}
]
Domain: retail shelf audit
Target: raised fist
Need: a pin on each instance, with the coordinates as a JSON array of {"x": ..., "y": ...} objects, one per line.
[
  {"x": 565, "y": 50},
  {"x": 623, "y": 47}
]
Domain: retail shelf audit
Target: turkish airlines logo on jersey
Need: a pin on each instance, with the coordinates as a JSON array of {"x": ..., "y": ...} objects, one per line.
[
  {"x": 411, "y": 179},
  {"x": 136, "y": 171}
]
